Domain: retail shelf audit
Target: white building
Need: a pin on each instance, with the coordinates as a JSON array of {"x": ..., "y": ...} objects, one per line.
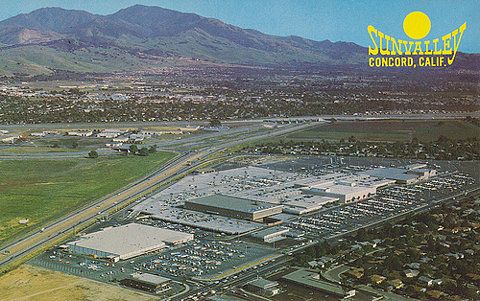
[
  {"x": 271, "y": 234},
  {"x": 343, "y": 192},
  {"x": 10, "y": 139},
  {"x": 307, "y": 204},
  {"x": 127, "y": 241},
  {"x": 110, "y": 133},
  {"x": 80, "y": 133}
]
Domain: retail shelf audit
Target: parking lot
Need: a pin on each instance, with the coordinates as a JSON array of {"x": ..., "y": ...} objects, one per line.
[
  {"x": 217, "y": 256},
  {"x": 98, "y": 270},
  {"x": 207, "y": 258},
  {"x": 202, "y": 257},
  {"x": 389, "y": 202}
]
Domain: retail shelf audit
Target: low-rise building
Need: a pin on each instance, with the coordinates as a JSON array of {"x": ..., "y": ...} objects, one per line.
[
  {"x": 110, "y": 133},
  {"x": 147, "y": 282},
  {"x": 342, "y": 191},
  {"x": 272, "y": 234},
  {"x": 307, "y": 205},
  {"x": 127, "y": 241},
  {"x": 312, "y": 280},
  {"x": 10, "y": 139},
  {"x": 407, "y": 175},
  {"x": 396, "y": 283},
  {"x": 426, "y": 280},
  {"x": 264, "y": 287},
  {"x": 356, "y": 272},
  {"x": 410, "y": 273},
  {"x": 80, "y": 133},
  {"x": 377, "y": 279},
  {"x": 234, "y": 207}
]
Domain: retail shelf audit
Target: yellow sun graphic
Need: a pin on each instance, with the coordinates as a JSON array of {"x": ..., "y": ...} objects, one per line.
[{"x": 416, "y": 25}]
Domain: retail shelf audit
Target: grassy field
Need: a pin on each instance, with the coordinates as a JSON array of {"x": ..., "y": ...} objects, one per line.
[
  {"x": 40, "y": 190},
  {"x": 395, "y": 130},
  {"x": 35, "y": 149},
  {"x": 29, "y": 283},
  {"x": 67, "y": 142}
]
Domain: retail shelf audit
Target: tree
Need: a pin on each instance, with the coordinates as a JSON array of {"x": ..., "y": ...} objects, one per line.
[
  {"x": 431, "y": 244},
  {"x": 413, "y": 253},
  {"x": 215, "y": 122},
  {"x": 393, "y": 263},
  {"x": 153, "y": 149},
  {"x": 75, "y": 91},
  {"x": 310, "y": 252},
  {"x": 143, "y": 151},
  {"x": 322, "y": 249},
  {"x": 93, "y": 154},
  {"x": 133, "y": 149},
  {"x": 362, "y": 234}
]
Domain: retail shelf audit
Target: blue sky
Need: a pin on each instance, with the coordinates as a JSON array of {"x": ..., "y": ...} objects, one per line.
[{"x": 336, "y": 20}]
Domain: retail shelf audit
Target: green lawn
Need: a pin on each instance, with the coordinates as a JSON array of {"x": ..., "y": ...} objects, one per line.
[
  {"x": 395, "y": 130},
  {"x": 44, "y": 189}
]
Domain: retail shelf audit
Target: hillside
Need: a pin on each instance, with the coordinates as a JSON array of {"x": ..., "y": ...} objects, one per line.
[{"x": 141, "y": 38}]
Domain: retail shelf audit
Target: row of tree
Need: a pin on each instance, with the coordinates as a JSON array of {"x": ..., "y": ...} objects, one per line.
[{"x": 134, "y": 149}]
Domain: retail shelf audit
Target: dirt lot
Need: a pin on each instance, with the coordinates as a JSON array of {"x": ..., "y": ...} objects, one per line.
[{"x": 36, "y": 284}]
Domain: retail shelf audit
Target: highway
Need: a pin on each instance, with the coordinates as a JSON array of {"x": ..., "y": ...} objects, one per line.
[
  {"x": 80, "y": 125},
  {"x": 181, "y": 165},
  {"x": 70, "y": 222},
  {"x": 55, "y": 232}
]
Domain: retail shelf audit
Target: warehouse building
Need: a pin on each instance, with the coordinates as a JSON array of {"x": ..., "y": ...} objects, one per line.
[
  {"x": 127, "y": 241},
  {"x": 234, "y": 207},
  {"x": 147, "y": 282}
]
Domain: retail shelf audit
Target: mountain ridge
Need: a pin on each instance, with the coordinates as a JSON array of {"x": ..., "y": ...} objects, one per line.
[{"x": 139, "y": 36}]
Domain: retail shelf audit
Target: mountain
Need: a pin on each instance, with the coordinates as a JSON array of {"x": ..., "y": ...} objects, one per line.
[
  {"x": 143, "y": 37},
  {"x": 146, "y": 37}
]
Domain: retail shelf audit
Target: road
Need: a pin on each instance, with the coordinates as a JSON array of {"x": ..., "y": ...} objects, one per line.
[
  {"x": 181, "y": 165},
  {"x": 438, "y": 115},
  {"x": 55, "y": 232},
  {"x": 240, "y": 279}
]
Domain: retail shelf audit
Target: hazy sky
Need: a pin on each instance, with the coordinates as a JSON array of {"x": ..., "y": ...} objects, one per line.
[{"x": 336, "y": 20}]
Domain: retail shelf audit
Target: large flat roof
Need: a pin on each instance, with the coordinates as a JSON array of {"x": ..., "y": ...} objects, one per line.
[
  {"x": 343, "y": 189},
  {"x": 233, "y": 203},
  {"x": 129, "y": 239},
  {"x": 269, "y": 231},
  {"x": 263, "y": 283},
  {"x": 202, "y": 220},
  {"x": 150, "y": 278},
  {"x": 311, "y": 202},
  {"x": 391, "y": 173}
]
